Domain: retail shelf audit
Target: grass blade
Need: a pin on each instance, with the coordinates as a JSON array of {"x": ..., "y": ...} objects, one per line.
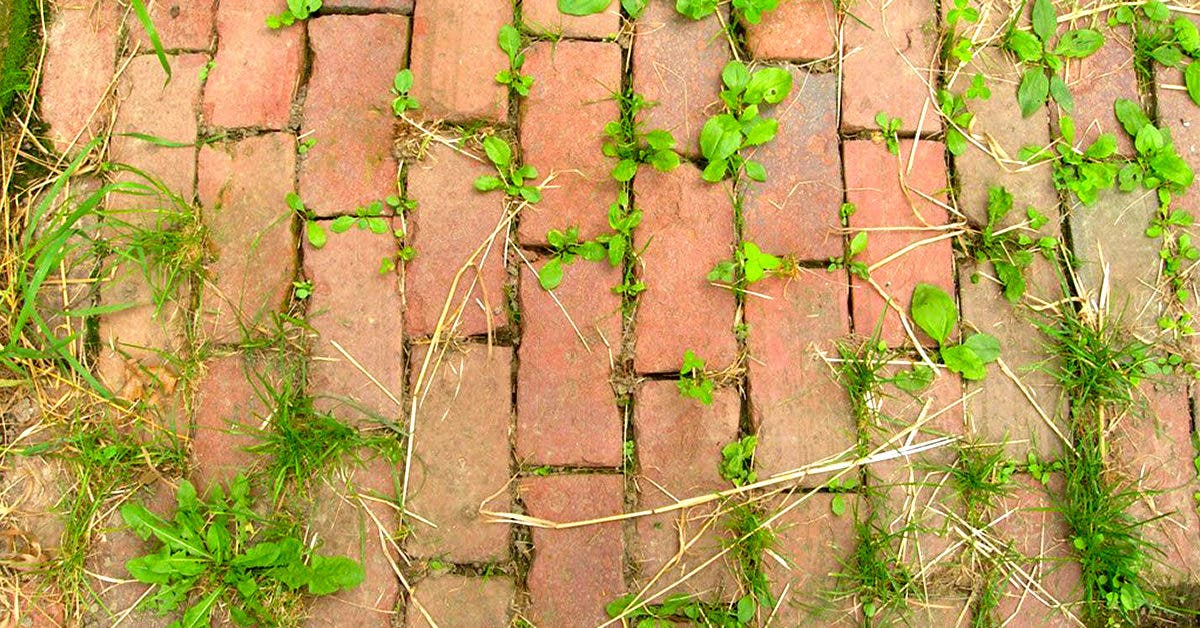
[{"x": 143, "y": 16}]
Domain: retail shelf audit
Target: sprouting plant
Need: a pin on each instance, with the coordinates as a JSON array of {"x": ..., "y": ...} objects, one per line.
[
  {"x": 981, "y": 476},
  {"x": 313, "y": 231},
  {"x": 565, "y": 247},
  {"x": 302, "y": 289},
  {"x": 1041, "y": 79},
  {"x": 1158, "y": 38},
  {"x": 737, "y": 461},
  {"x": 632, "y": 146},
  {"x": 210, "y": 553},
  {"x": 839, "y": 487},
  {"x": 401, "y": 85},
  {"x": 622, "y": 219},
  {"x": 509, "y": 39},
  {"x": 749, "y": 10},
  {"x": 959, "y": 46},
  {"x": 935, "y": 313},
  {"x": 296, "y": 10},
  {"x": 589, "y": 7},
  {"x": 305, "y": 145},
  {"x": 850, "y": 261},
  {"x": 1010, "y": 250},
  {"x": 749, "y": 265},
  {"x": 1157, "y": 165},
  {"x": 1084, "y": 173},
  {"x": 510, "y": 177},
  {"x": 680, "y": 607},
  {"x": 368, "y": 217},
  {"x": 693, "y": 382},
  {"x": 742, "y": 126},
  {"x": 1041, "y": 470},
  {"x": 890, "y": 128},
  {"x": 954, "y": 107}
]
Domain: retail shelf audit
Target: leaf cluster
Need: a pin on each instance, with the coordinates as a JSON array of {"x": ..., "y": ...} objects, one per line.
[
  {"x": 750, "y": 265},
  {"x": 510, "y": 177},
  {"x": 1010, "y": 250},
  {"x": 935, "y": 313},
  {"x": 725, "y": 135},
  {"x": 693, "y": 382},
  {"x": 296, "y": 10},
  {"x": 631, "y": 145},
  {"x": 509, "y": 39},
  {"x": 737, "y": 461},
  {"x": 401, "y": 85},
  {"x": 1045, "y": 60}
]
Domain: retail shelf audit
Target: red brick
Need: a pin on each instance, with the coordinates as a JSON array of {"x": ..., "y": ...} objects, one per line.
[
  {"x": 566, "y": 409},
  {"x": 461, "y": 453},
  {"x": 873, "y": 184},
  {"x": 686, "y": 231},
  {"x": 572, "y": 93},
  {"x": 181, "y": 25},
  {"x": 1177, "y": 112},
  {"x": 462, "y": 602},
  {"x": 451, "y": 222},
  {"x": 446, "y": 85},
  {"x": 815, "y": 544},
  {"x": 796, "y": 210},
  {"x": 677, "y": 63},
  {"x": 256, "y": 69},
  {"x": 1096, "y": 83},
  {"x": 359, "y": 308},
  {"x": 230, "y": 405},
  {"x": 343, "y": 527},
  {"x": 574, "y": 573},
  {"x": 348, "y": 111},
  {"x": 679, "y": 442},
  {"x": 543, "y": 16},
  {"x": 888, "y": 62},
  {"x": 81, "y": 53},
  {"x": 799, "y": 30},
  {"x": 242, "y": 186},
  {"x": 801, "y": 413},
  {"x": 398, "y": 6}
]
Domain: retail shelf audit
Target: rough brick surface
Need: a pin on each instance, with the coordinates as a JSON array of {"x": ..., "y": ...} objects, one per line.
[
  {"x": 181, "y": 24},
  {"x": 687, "y": 229},
  {"x": 1110, "y": 236},
  {"x": 454, "y": 68},
  {"x": 890, "y": 68},
  {"x": 801, "y": 413},
  {"x": 241, "y": 188},
  {"x": 573, "y": 88},
  {"x": 1096, "y": 82},
  {"x": 677, "y": 63},
  {"x": 543, "y": 16},
  {"x": 399, "y": 6},
  {"x": 566, "y": 410},
  {"x": 230, "y": 404},
  {"x": 796, "y": 210},
  {"x": 461, "y": 454},
  {"x": 799, "y": 30},
  {"x": 37, "y": 484},
  {"x": 576, "y": 572},
  {"x": 814, "y": 543},
  {"x": 81, "y": 52},
  {"x": 873, "y": 184},
  {"x": 462, "y": 602},
  {"x": 1177, "y": 111},
  {"x": 343, "y": 527},
  {"x": 256, "y": 69},
  {"x": 348, "y": 111},
  {"x": 356, "y": 306},
  {"x": 451, "y": 222}
]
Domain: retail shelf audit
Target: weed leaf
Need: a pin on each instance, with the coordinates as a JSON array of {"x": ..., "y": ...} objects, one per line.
[
  {"x": 985, "y": 346},
  {"x": 1033, "y": 90},
  {"x": 498, "y": 151},
  {"x": 551, "y": 274},
  {"x": 1191, "y": 78},
  {"x": 934, "y": 311},
  {"x": 1044, "y": 23},
  {"x": 139, "y": 8},
  {"x": 962, "y": 360},
  {"x": 1079, "y": 43},
  {"x": 582, "y": 7}
]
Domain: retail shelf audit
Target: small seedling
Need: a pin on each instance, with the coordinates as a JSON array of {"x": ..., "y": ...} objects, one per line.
[
  {"x": 1158, "y": 38},
  {"x": 889, "y": 127},
  {"x": 737, "y": 461},
  {"x": 724, "y": 135},
  {"x": 1010, "y": 251},
  {"x": 509, "y": 40},
  {"x": 302, "y": 289},
  {"x": 693, "y": 382},
  {"x": 749, "y": 10},
  {"x": 1041, "y": 79},
  {"x": 566, "y": 247},
  {"x": 1157, "y": 165},
  {"x": 850, "y": 261},
  {"x": 1085, "y": 173},
  {"x": 750, "y": 265},
  {"x": 840, "y": 486},
  {"x": 368, "y": 217},
  {"x": 510, "y": 178},
  {"x": 935, "y": 313},
  {"x": 401, "y": 85},
  {"x": 679, "y": 607},
  {"x": 1040, "y": 470},
  {"x": 296, "y": 10},
  {"x": 305, "y": 145},
  {"x": 965, "y": 13},
  {"x": 313, "y": 231},
  {"x": 631, "y": 145}
]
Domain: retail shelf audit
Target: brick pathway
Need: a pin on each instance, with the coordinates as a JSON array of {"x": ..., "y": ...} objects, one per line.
[{"x": 562, "y": 405}]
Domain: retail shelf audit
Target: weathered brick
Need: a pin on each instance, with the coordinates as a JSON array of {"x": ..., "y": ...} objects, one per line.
[
  {"x": 1111, "y": 247},
  {"x": 574, "y": 572},
  {"x": 451, "y": 222},
  {"x": 348, "y": 111},
  {"x": 815, "y": 544},
  {"x": 796, "y": 210},
  {"x": 230, "y": 404},
  {"x": 445, "y": 83},
  {"x": 943, "y": 609},
  {"x": 242, "y": 186},
  {"x": 687, "y": 229},
  {"x": 342, "y": 525},
  {"x": 566, "y": 409},
  {"x": 1098, "y": 81},
  {"x": 461, "y": 453},
  {"x": 890, "y": 57},
  {"x": 800, "y": 30},
  {"x": 572, "y": 93},
  {"x": 398, "y": 6},
  {"x": 256, "y": 69},
  {"x": 358, "y": 307},
  {"x": 677, "y": 63},
  {"x": 873, "y": 184},
  {"x": 679, "y": 443},
  {"x": 81, "y": 54},
  {"x": 801, "y": 413},
  {"x": 543, "y": 16},
  {"x": 181, "y": 25},
  {"x": 462, "y": 602}
]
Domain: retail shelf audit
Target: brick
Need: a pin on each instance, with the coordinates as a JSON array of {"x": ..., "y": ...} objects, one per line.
[
  {"x": 890, "y": 69},
  {"x": 679, "y": 443},
  {"x": 37, "y": 484},
  {"x": 461, "y": 454},
  {"x": 230, "y": 404},
  {"x": 687, "y": 229},
  {"x": 241, "y": 188},
  {"x": 576, "y": 572},
  {"x": 462, "y": 602},
  {"x": 801, "y": 413},
  {"x": 256, "y": 69},
  {"x": 815, "y": 545},
  {"x": 571, "y": 94},
  {"x": 566, "y": 409},
  {"x": 398, "y": 6},
  {"x": 1110, "y": 235},
  {"x": 543, "y": 16},
  {"x": 356, "y": 306},
  {"x": 347, "y": 111},
  {"x": 451, "y": 222},
  {"x": 181, "y": 25},
  {"x": 1177, "y": 112},
  {"x": 873, "y": 184},
  {"x": 677, "y": 63},
  {"x": 81, "y": 53},
  {"x": 800, "y": 30},
  {"x": 796, "y": 210},
  {"x": 446, "y": 85},
  {"x": 1096, "y": 83},
  {"x": 39, "y": 604},
  {"x": 342, "y": 525}
]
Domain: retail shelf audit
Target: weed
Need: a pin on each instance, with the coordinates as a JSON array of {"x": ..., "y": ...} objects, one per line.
[
  {"x": 981, "y": 476},
  {"x": 889, "y": 127},
  {"x": 510, "y": 177},
  {"x": 297, "y": 10},
  {"x": 935, "y": 313},
  {"x": 302, "y": 289},
  {"x": 565, "y": 247},
  {"x": 958, "y": 46},
  {"x": 693, "y": 382},
  {"x": 1158, "y": 38},
  {"x": 588, "y": 7},
  {"x": 1097, "y": 365},
  {"x": 1042, "y": 470},
  {"x": 632, "y": 146},
  {"x": 305, "y": 145},
  {"x": 749, "y": 10},
  {"x": 875, "y": 573},
  {"x": 401, "y": 85},
  {"x": 954, "y": 107},
  {"x": 839, "y": 487},
  {"x": 143, "y": 16},
  {"x": 750, "y": 265},
  {"x": 1041, "y": 79},
  {"x": 1010, "y": 251},
  {"x": 737, "y": 461},
  {"x": 751, "y": 541},
  {"x": 682, "y": 607},
  {"x": 1157, "y": 165},
  {"x": 22, "y": 34},
  {"x": 724, "y": 135},
  {"x": 850, "y": 261},
  {"x": 509, "y": 39}
]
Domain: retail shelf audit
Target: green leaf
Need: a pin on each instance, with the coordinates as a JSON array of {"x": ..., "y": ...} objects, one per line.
[
  {"x": 1104, "y": 146},
  {"x": 163, "y": 567},
  {"x": 933, "y": 311},
  {"x": 735, "y": 76},
  {"x": 696, "y": 9},
  {"x": 145, "y": 523},
  {"x": 914, "y": 380},
  {"x": 498, "y": 151},
  {"x": 962, "y": 359},
  {"x": 487, "y": 183},
  {"x": 509, "y": 40},
  {"x": 985, "y": 346},
  {"x": 341, "y": 224},
  {"x": 755, "y": 171},
  {"x": 760, "y": 131},
  {"x": 624, "y": 170},
  {"x": 1027, "y": 47},
  {"x": 333, "y": 573},
  {"x": 1191, "y": 79},
  {"x": 746, "y": 608},
  {"x": 715, "y": 171},
  {"x": 659, "y": 139},
  {"x": 143, "y": 16},
  {"x": 1060, "y": 93},
  {"x": 582, "y": 7},
  {"x": 1156, "y": 11},
  {"x": 592, "y": 251},
  {"x": 551, "y": 274},
  {"x": 1130, "y": 115},
  {"x": 1032, "y": 92},
  {"x": 403, "y": 81},
  {"x": 720, "y": 138},
  {"x": 618, "y": 606},
  {"x": 1079, "y": 43},
  {"x": 837, "y": 505},
  {"x": 1187, "y": 36},
  {"x": 769, "y": 85},
  {"x": 664, "y": 160},
  {"x": 1044, "y": 22},
  {"x": 634, "y": 7},
  {"x": 199, "y": 614}
]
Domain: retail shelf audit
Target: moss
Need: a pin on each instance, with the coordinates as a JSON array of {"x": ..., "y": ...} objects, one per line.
[{"x": 18, "y": 23}]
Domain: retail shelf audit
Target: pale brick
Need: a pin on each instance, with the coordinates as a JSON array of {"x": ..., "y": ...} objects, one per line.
[
  {"x": 81, "y": 53},
  {"x": 797, "y": 30},
  {"x": 462, "y": 602},
  {"x": 889, "y": 63}
]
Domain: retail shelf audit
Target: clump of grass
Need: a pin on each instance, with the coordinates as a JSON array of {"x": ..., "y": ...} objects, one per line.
[
  {"x": 875, "y": 574},
  {"x": 16, "y": 64},
  {"x": 981, "y": 477}
]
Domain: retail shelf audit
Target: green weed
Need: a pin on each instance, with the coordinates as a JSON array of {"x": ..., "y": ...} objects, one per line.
[
  {"x": 935, "y": 313},
  {"x": 725, "y": 135},
  {"x": 737, "y": 461},
  {"x": 749, "y": 265},
  {"x": 15, "y": 63},
  {"x": 401, "y": 85},
  {"x": 981, "y": 476},
  {"x": 510, "y": 177},
  {"x": 1010, "y": 250},
  {"x": 1158, "y": 38},
  {"x": 850, "y": 261},
  {"x": 889, "y": 127},
  {"x": 1042, "y": 77},
  {"x": 693, "y": 382},
  {"x": 565, "y": 246},
  {"x": 588, "y": 7},
  {"x": 632, "y": 146},
  {"x": 297, "y": 10},
  {"x": 509, "y": 39}
]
